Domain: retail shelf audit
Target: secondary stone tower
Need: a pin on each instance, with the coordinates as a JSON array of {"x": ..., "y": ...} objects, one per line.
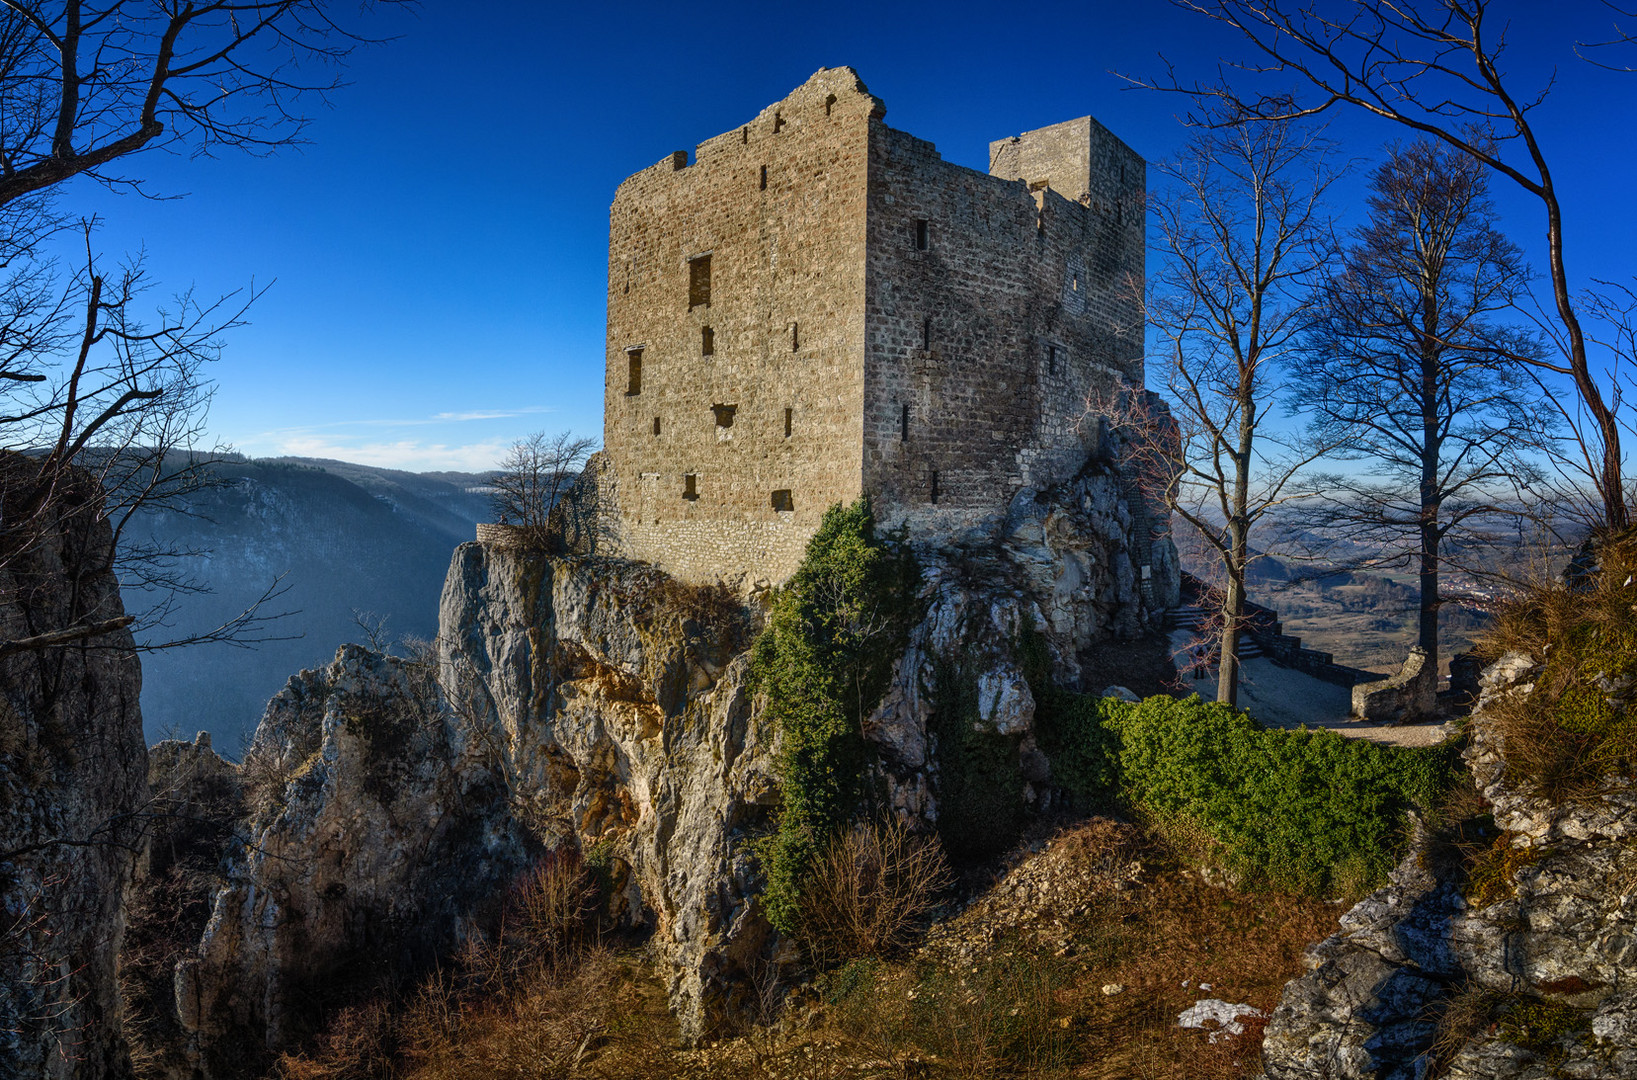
[{"x": 819, "y": 306}]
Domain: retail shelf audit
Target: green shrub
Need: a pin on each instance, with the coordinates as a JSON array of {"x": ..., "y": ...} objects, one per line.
[
  {"x": 823, "y": 661},
  {"x": 1304, "y": 810}
]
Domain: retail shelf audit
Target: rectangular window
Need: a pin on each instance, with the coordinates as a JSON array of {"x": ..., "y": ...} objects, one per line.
[
  {"x": 699, "y": 281},
  {"x": 787, "y": 414},
  {"x": 921, "y": 237},
  {"x": 934, "y": 486},
  {"x": 633, "y": 358},
  {"x": 782, "y": 500},
  {"x": 707, "y": 341},
  {"x": 795, "y": 336},
  {"x": 690, "y": 485},
  {"x": 926, "y": 332},
  {"x": 1051, "y": 359},
  {"x": 656, "y": 425},
  {"x": 903, "y": 425},
  {"x": 764, "y": 177},
  {"x": 724, "y": 414}
]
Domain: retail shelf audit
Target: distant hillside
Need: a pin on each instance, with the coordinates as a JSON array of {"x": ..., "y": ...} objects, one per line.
[
  {"x": 346, "y": 536},
  {"x": 1364, "y": 619}
]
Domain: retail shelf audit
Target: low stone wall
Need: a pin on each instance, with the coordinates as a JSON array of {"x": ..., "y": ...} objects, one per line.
[
  {"x": 505, "y": 537},
  {"x": 1410, "y": 694}
]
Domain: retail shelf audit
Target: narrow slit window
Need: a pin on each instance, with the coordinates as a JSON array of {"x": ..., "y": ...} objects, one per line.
[
  {"x": 744, "y": 135},
  {"x": 1074, "y": 281},
  {"x": 690, "y": 485},
  {"x": 926, "y": 332},
  {"x": 921, "y": 234},
  {"x": 795, "y": 336},
  {"x": 1051, "y": 359},
  {"x": 903, "y": 424},
  {"x": 829, "y": 103},
  {"x": 656, "y": 425},
  {"x": 764, "y": 177},
  {"x": 633, "y": 360},
  {"x": 699, "y": 281},
  {"x": 778, "y": 123},
  {"x": 934, "y": 485},
  {"x": 782, "y": 500},
  {"x": 788, "y": 413},
  {"x": 707, "y": 341}
]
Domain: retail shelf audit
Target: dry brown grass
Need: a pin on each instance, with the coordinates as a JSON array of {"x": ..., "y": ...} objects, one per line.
[
  {"x": 871, "y": 891},
  {"x": 1576, "y": 728},
  {"x": 1020, "y": 1002},
  {"x": 1026, "y": 1006}
]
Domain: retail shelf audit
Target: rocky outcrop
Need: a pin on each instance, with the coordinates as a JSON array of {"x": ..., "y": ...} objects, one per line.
[
  {"x": 377, "y": 821},
  {"x": 590, "y": 701},
  {"x": 619, "y": 702},
  {"x": 1517, "y": 975},
  {"x": 73, "y": 783},
  {"x": 197, "y": 807}
]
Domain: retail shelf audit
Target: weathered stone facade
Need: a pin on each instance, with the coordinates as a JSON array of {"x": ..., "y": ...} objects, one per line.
[{"x": 820, "y": 306}]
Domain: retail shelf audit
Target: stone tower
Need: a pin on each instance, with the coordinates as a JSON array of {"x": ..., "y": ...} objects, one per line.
[{"x": 818, "y": 306}]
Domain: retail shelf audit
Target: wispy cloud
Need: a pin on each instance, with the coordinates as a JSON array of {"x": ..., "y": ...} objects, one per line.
[
  {"x": 466, "y": 416},
  {"x": 410, "y": 454}
]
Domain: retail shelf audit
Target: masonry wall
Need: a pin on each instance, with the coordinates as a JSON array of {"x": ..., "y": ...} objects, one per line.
[
  {"x": 1022, "y": 308},
  {"x": 779, "y": 206}
]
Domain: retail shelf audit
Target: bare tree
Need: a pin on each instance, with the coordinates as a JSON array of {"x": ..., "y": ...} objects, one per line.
[
  {"x": 102, "y": 399},
  {"x": 86, "y": 383},
  {"x": 85, "y": 85},
  {"x": 1435, "y": 67},
  {"x": 534, "y": 474},
  {"x": 1409, "y": 368},
  {"x": 1239, "y": 221}
]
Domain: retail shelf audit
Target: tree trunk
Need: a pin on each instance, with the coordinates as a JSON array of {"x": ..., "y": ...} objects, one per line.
[{"x": 1233, "y": 617}]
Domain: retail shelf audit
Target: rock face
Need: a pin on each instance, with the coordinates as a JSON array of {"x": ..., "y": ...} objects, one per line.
[
  {"x": 619, "y": 704},
  {"x": 1535, "y": 962},
  {"x": 591, "y": 701},
  {"x": 377, "y": 820},
  {"x": 198, "y": 804},
  {"x": 73, "y": 777}
]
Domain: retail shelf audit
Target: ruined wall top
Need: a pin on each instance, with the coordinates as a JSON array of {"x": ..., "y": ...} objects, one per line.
[{"x": 1067, "y": 157}]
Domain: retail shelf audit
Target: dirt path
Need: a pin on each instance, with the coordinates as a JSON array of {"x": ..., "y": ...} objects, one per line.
[{"x": 1281, "y": 697}]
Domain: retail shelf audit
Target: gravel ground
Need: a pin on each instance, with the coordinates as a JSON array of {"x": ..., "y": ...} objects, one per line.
[{"x": 1281, "y": 697}]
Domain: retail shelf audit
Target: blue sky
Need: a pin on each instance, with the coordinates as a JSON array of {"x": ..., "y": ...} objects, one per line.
[{"x": 438, "y": 252}]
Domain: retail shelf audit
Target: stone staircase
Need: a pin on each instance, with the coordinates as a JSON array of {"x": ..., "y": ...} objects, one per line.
[
  {"x": 1192, "y": 617},
  {"x": 1264, "y": 636}
]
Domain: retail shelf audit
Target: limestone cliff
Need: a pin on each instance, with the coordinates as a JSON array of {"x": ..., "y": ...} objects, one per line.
[
  {"x": 378, "y": 821},
  {"x": 586, "y": 700},
  {"x": 73, "y": 785},
  {"x": 1517, "y": 979}
]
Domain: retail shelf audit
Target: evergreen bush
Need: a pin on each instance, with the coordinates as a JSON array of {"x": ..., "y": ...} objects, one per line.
[
  {"x": 823, "y": 661},
  {"x": 1305, "y": 810}
]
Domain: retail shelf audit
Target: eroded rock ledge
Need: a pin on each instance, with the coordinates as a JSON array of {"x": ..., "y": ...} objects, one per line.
[
  {"x": 594, "y": 701},
  {"x": 1559, "y": 933}
]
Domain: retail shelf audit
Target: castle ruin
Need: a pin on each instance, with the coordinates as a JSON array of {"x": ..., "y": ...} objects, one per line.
[{"x": 818, "y": 306}]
